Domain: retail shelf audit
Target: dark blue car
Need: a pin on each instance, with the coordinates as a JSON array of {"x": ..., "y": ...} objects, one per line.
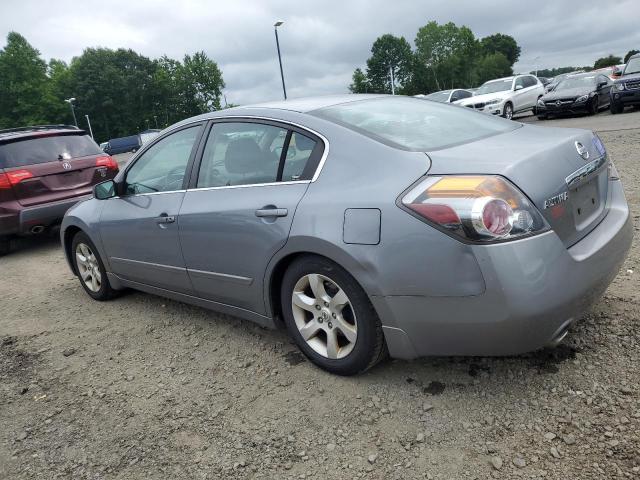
[
  {"x": 123, "y": 145},
  {"x": 626, "y": 89}
]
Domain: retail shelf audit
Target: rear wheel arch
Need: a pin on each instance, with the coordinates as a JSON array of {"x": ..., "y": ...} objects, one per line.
[{"x": 69, "y": 233}]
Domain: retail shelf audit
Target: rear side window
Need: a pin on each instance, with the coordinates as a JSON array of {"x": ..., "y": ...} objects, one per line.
[
  {"x": 298, "y": 154},
  {"x": 413, "y": 124},
  {"x": 46, "y": 149}
]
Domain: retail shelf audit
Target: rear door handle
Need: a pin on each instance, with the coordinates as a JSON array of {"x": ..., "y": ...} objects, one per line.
[
  {"x": 164, "y": 218},
  {"x": 272, "y": 212}
]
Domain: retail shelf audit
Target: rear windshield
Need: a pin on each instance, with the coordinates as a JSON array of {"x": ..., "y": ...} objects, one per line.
[
  {"x": 413, "y": 124},
  {"x": 46, "y": 149}
]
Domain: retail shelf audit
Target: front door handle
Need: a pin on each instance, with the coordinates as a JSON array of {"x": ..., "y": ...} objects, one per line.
[
  {"x": 272, "y": 212},
  {"x": 164, "y": 218}
]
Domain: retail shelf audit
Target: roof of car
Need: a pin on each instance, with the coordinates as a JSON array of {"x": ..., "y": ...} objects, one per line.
[
  {"x": 504, "y": 79},
  {"x": 308, "y": 104},
  {"x": 13, "y": 134}
]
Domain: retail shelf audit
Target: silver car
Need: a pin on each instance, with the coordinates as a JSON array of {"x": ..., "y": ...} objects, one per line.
[{"x": 365, "y": 224}]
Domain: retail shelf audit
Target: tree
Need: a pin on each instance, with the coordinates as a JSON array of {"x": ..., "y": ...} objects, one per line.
[
  {"x": 23, "y": 80},
  {"x": 389, "y": 53},
  {"x": 629, "y": 54},
  {"x": 445, "y": 56},
  {"x": 501, "y": 43},
  {"x": 202, "y": 78},
  {"x": 494, "y": 65},
  {"x": 360, "y": 83},
  {"x": 607, "y": 62}
]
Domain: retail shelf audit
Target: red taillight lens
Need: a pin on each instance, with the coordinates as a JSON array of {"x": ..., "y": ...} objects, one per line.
[
  {"x": 15, "y": 176},
  {"x": 480, "y": 208},
  {"x": 107, "y": 161},
  {"x": 4, "y": 181}
]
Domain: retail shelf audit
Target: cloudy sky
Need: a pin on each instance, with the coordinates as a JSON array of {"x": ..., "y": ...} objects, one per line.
[{"x": 322, "y": 41}]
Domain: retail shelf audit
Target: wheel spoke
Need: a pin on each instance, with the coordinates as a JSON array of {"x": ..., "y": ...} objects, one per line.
[
  {"x": 85, "y": 274},
  {"x": 94, "y": 283},
  {"x": 316, "y": 283},
  {"x": 332, "y": 344},
  {"x": 303, "y": 301},
  {"x": 82, "y": 260},
  {"x": 348, "y": 330},
  {"x": 338, "y": 301},
  {"x": 98, "y": 276},
  {"x": 310, "y": 329}
]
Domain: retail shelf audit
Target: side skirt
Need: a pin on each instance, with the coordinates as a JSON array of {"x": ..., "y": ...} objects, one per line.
[{"x": 266, "y": 322}]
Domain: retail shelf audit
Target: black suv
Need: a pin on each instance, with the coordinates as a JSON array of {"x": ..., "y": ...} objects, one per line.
[{"x": 626, "y": 89}]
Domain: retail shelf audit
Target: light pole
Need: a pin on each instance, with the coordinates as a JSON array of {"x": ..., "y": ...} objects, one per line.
[
  {"x": 536, "y": 64},
  {"x": 89, "y": 123},
  {"x": 393, "y": 88},
  {"x": 73, "y": 111},
  {"x": 275, "y": 28}
]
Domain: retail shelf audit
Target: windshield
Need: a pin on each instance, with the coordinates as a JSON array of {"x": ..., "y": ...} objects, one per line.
[
  {"x": 412, "y": 124},
  {"x": 577, "y": 82},
  {"x": 442, "y": 96},
  {"x": 633, "y": 66},
  {"x": 493, "y": 87},
  {"x": 46, "y": 149}
]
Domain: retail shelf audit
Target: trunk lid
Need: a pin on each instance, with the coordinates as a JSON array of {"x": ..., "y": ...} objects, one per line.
[
  {"x": 53, "y": 167},
  {"x": 569, "y": 190}
]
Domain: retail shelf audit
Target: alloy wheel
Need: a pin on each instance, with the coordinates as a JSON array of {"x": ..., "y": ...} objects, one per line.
[
  {"x": 88, "y": 267},
  {"x": 508, "y": 111},
  {"x": 324, "y": 316}
]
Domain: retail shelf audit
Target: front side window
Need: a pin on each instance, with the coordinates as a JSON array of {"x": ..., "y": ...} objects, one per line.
[
  {"x": 239, "y": 153},
  {"x": 162, "y": 168},
  {"x": 495, "y": 86},
  {"x": 413, "y": 124},
  {"x": 519, "y": 82},
  {"x": 529, "y": 82}
]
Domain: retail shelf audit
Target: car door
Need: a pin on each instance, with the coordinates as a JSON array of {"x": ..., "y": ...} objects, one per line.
[
  {"x": 139, "y": 228},
  {"x": 519, "y": 95},
  {"x": 604, "y": 91},
  {"x": 239, "y": 211}
]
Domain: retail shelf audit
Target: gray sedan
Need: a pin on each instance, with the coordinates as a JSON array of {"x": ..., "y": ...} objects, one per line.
[{"x": 367, "y": 225}]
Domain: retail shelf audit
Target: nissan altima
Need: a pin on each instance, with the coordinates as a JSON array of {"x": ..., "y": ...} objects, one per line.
[{"x": 366, "y": 225}]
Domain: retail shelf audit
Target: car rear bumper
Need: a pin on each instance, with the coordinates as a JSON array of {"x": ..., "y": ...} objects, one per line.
[
  {"x": 22, "y": 220},
  {"x": 535, "y": 289},
  {"x": 626, "y": 97}
]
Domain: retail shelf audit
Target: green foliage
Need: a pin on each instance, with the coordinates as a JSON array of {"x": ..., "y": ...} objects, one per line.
[
  {"x": 552, "y": 72},
  {"x": 359, "y": 84},
  {"x": 629, "y": 54},
  {"x": 121, "y": 91},
  {"x": 607, "y": 62},
  {"x": 500, "y": 43},
  {"x": 389, "y": 53},
  {"x": 446, "y": 56}
]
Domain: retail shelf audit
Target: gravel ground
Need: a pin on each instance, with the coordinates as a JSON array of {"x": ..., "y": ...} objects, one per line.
[{"x": 143, "y": 387}]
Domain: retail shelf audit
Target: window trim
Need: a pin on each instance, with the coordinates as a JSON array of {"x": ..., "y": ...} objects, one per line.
[
  {"x": 187, "y": 173},
  {"x": 284, "y": 124}
]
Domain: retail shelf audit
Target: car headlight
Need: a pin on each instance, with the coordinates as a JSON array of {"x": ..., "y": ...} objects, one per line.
[
  {"x": 583, "y": 98},
  {"x": 619, "y": 86},
  {"x": 493, "y": 102}
]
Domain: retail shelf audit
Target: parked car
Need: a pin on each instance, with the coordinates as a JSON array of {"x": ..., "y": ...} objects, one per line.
[
  {"x": 449, "y": 96},
  {"x": 581, "y": 93},
  {"x": 557, "y": 79},
  {"x": 123, "y": 145},
  {"x": 626, "y": 88},
  {"x": 506, "y": 96},
  {"x": 148, "y": 135},
  {"x": 544, "y": 81},
  {"x": 44, "y": 170},
  {"x": 360, "y": 242}
]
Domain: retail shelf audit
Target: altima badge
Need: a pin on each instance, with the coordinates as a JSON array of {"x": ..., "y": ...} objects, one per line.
[
  {"x": 553, "y": 201},
  {"x": 582, "y": 151}
]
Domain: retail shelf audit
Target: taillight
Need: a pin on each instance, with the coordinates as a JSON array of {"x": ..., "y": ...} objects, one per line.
[
  {"x": 107, "y": 161},
  {"x": 475, "y": 207},
  {"x": 14, "y": 177}
]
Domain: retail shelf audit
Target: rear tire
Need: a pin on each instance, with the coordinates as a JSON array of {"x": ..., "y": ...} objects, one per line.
[
  {"x": 330, "y": 317},
  {"x": 90, "y": 269}
]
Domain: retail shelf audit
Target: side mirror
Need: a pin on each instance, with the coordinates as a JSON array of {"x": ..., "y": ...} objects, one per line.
[
  {"x": 601, "y": 84},
  {"x": 105, "y": 190},
  {"x": 518, "y": 87},
  {"x": 617, "y": 74}
]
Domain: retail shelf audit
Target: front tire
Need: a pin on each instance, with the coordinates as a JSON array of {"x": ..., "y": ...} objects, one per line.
[
  {"x": 330, "y": 317},
  {"x": 90, "y": 269},
  {"x": 5, "y": 246},
  {"x": 616, "y": 108},
  {"x": 508, "y": 111},
  {"x": 593, "y": 107}
]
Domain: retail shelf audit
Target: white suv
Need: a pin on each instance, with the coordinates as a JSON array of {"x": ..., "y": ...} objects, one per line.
[{"x": 506, "y": 96}]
